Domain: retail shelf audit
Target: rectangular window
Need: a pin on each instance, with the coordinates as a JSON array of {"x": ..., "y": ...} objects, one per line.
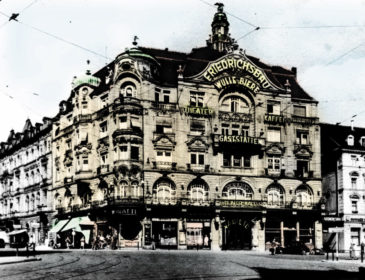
[
  {"x": 163, "y": 156},
  {"x": 302, "y": 137},
  {"x": 225, "y": 129},
  {"x": 104, "y": 158},
  {"x": 235, "y": 129},
  {"x": 197, "y": 159},
  {"x": 201, "y": 159},
  {"x": 196, "y": 99},
  {"x": 273, "y": 108},
  {"x": 166, "y": 96},
  {"x": 353, "y": 182},
  {"x": 193, "y": 158},
  {"x": 104, "y": 100},
  {"x": 355, "y": 236},
  {"x": 273, "y": 135},
  {"x": 197, "y": 125},
  {"x": 104, "y": 127},
  {"x": 299, "y": 111},
  {"x": 354, "y": 207},
  {"x": 123, "y": 122},
  {"x": 302, "y": 168},
  {"x": 237, "y": 160},
  {"x": 353, "y": 160},
  {"x": 163, "y": 129},
  {"x": 135, "y": 153},
  {"x": 226, "y": 159},
  {"x": 247, "y": 161},
  {"x": 123, "y": 152},
  {"x": 273, "y": 163}
]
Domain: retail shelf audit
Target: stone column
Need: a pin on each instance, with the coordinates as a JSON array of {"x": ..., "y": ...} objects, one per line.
[
  {"x": 215, "y": 234},
  {"x": 258, "y": 237},
  {"x": 298, "y": 231},
  {"x": 318, "y": 235},
  {"x": 181, "y": 237},
  {"x": 282, "y": 240}
]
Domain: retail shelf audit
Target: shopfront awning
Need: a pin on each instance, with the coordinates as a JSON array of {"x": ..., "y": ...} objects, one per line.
[
  {"x": 76, "y": 223},
  {"x": 15, "y": 232},
  {"x": 57, "y": 227}
]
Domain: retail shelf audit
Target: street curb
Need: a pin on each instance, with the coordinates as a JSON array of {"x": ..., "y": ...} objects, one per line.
[{"x": 21, "y": 261}]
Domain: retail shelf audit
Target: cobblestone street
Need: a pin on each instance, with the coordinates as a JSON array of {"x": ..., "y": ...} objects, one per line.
[{"x": 177, "y": 265}]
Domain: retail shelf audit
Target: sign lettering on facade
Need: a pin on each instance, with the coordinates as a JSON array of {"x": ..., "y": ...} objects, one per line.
[
  {"x": 241, "y": 204},
  {"x": 127, "y": 211},
  {"x": 202, "y": 111},
  {"x": 237, "y": 70},
  {"x": 238, "y": 139}
]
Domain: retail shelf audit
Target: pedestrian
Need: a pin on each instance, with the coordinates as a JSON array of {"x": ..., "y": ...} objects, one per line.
[
  {"x": 82, "y": 243},
  {"x": 352, "y": 251},
  {"x": 273, "y": 247},
  {"x": 68, "y": 242},
  {"x": 206, "y": 241}
]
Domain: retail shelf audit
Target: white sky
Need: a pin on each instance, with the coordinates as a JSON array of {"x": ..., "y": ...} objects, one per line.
[{"x": 32, "y": 62}]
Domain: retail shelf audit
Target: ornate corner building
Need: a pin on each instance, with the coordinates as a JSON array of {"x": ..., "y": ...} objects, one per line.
[
  {"x": 25, "y": 178},
  {"x": 211, "y": 148},
  {"x": 343, "y": 158}
]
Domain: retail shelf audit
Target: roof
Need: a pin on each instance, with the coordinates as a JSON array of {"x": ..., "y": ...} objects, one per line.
[
  {"x": 196, "y": 61},
  {"x": 336, "y": 136}
]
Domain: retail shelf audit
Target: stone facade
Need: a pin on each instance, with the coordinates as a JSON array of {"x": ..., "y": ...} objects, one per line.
[
  {"x": 25, "y": 177},
  {"x": 344, "y": 184},
  {"x": 211, "y": 148}
]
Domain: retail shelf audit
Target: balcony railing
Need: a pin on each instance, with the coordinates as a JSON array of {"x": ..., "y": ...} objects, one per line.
[
  {"x": 301, "y": 174},
  {"x": 164, "y": 106},
  {"x": 234, "y": 117},
  {"x": 164, "y": 165}
]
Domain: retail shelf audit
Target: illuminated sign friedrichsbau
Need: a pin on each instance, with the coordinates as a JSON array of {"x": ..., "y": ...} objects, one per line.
[{"x": 237, "y": 70}]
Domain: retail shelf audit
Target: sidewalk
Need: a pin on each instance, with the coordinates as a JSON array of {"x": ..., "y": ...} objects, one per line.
[{"x": 11, "y": 260}]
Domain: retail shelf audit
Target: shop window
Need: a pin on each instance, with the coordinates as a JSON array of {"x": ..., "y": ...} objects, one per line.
[
  {"x": 300, "y": 111},
  {"x": 237, "y": 191},
  {"x": 273, "y": 108},
  {"x": 273, "y": 135},
  {"x": 164, "y": 191},
  {"x": 355, "y": 236},
  {"x": 196, "y": 99},
  {"x": 198, "y": 190}
]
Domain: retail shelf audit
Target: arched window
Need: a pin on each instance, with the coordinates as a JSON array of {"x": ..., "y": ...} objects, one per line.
[
  {"x": 136, "y": 189},
  {"x": 275, "y": 195},
  {"x": 164, "y": 191},
  {"x": 237, "y": 190},
  {"x": 128, "y": 89},
  {"x": 350, "y": 140},
  {"x": 198, "y": 190},
  {"x": 122, "y": 189},
  {"x": 235, "y": 104},
  {"x": 304, "y": 195},
  {"x": 27, "y": 203}
]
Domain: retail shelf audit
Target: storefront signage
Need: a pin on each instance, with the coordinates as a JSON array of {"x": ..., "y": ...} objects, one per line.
[
  {"x": 200, "y": 111},
  {"x": 241, "y": 203},
  {"x": 279, "y": 119},
  {"x": 332, "y": 219},
  {"x": 127, "y": 212},
  {"x": 237, "y": 70},
  {"x": 238, "y": 139}
]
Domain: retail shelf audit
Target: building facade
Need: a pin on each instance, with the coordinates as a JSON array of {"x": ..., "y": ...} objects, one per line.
[
  {"x": 25, "y": 177},
  {"x": 343, "y": 164},
  {"x": 211, "y": 148}
]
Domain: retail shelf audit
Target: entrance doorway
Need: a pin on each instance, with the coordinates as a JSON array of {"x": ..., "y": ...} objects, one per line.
[{"x": 237, "y": 236}]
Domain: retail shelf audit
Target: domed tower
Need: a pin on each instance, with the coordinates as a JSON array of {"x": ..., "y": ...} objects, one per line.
[{"x": 220, "y": 39}]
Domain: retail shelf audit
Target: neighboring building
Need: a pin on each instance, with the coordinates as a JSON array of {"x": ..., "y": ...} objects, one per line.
[
  {"x": 210, "y": 148},
  {"x": 25, "y": 176},
  {"x": 343, "y": 166}
]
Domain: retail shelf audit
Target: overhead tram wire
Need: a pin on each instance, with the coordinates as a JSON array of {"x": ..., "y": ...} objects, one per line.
[
  {"x": 346, "y": 53},
  {"x": 59, "y": 38},
  {"x": 25, "y": 8}
]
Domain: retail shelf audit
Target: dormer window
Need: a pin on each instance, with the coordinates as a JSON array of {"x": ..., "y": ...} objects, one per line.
[
  {"x": 128, "y": 89},
  {"x": 362, "y": 141},
  {"x": 350, "y": 140}
]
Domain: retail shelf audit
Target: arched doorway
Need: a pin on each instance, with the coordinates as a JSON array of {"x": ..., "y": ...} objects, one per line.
[{"x": 237, "y": 235}]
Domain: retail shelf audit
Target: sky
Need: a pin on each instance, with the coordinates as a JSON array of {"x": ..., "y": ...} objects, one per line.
[{"x": 52, "y": 40}]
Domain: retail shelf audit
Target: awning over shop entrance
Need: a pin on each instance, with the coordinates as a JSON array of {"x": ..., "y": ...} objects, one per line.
[
  {"x": 15, "y": 232},
  {"x": 76, "y": 223},
  {"x": 57, "y": 227}
]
